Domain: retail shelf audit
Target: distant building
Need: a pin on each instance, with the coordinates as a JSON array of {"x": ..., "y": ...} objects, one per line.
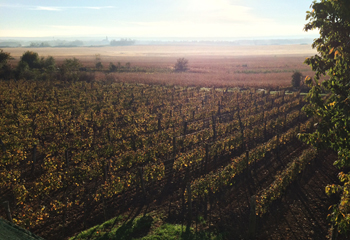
[
  {"x": 106, "y": 41},
  {"x": 122, "y": 42}
]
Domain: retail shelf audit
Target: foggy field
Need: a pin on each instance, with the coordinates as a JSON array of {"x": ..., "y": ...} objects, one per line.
[
  {"x": 171, "y": 51},
  {"x": 256, "y": 66}
]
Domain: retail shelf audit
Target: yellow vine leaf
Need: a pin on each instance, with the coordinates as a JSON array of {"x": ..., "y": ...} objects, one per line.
[{"x": 337, "y": 53}]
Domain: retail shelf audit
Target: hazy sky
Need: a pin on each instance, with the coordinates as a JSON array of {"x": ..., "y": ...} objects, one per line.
[{"x": 154, "y": 18}]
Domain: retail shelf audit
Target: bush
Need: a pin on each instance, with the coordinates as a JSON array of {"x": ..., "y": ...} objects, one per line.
[
  {"x": 181, "y": 65},
  {"x": 31, "y": 58},
  {"x": 112, "y": 67},
  {"x": 296, "y": 79},
  {"x": 99, "y": 66},
  {"x": 71, "y": 64},
  {"x": 5, "y": 67},
  {"x": 70, "y": 70},
  {"x": 86, "y": 77},
  {"x": 32, "y": 67}
]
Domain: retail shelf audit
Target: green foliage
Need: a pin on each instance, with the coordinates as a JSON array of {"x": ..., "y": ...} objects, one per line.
[
  {"x": 32, "y": 67},
  {"x": 23, "y": 71},
  {"x": 112, "y": 67},
  {"x": 71, "y": 64},
  {"x": 333, "y": 59},
  {"x": 31, "y": 58},
  {"x": 181, "y": 65},
  {"x": 5, "y": 68},
  {"x": 99, "y": 66},
  {"x": 126, "y": 68},
  {"x": 4, "y": 57},
  {"x": 296, "y": 79},
  {"x": 49, "y": 64},
  {"x": 332, "y": 19},
  {"x": 70, "y": 70},
  {"x": 144, "y": 228}
]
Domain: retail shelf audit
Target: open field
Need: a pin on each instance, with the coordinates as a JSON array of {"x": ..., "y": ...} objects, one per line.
[
  {"x": 170, "y": 51},
  {"x": 244, "y": 66}
]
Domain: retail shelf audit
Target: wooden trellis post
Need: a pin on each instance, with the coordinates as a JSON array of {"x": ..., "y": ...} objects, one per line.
[
  {"x": 189, "y": 200},
  {"x": 133, "y": 143},
  {"x": 206, "y": 157},
  {"x": 252, "y": 217},
  {"x": 219, "y": 107},
  {"x": 33, "y": 158},
  {"x": 7, "y": 210},
  {"x": 81, "y": 131},
  {"x": 247, "y": 156},
  {"x": 278, "y": 141},
  {"x": 214, "y": 127},
  {"x": 159, "y": 123},
  {"x": 142, "y": 181},
  {"x": 108, "y": 135},
  {"x": 2, "y": 146},
  {"x": 67, "y": 157}
]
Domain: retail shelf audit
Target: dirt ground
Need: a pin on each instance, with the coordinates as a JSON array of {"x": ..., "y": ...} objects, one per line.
[{"x": 302, "y": 213}]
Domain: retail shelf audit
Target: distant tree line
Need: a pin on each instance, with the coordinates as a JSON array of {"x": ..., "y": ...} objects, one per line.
[
  {"x": 76, "y": 43},
  {"x": 120, "y": 68},
  {"x": 122, "y": 42},
  {"x": 37, "y": 45},
  {"x": 33, "y": 67},
  {"x": 10, "y": 44}
]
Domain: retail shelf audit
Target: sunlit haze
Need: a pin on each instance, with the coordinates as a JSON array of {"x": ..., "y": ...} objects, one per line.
[{"x": 154, "y": 18}]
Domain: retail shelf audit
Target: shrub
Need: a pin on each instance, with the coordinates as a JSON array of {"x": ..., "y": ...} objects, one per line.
[
  {"x": 112, "y": 67},
  {"x": 99, "y": 66},
  {"x": 31, "y": 58},
  {"x": 181, "y": 65},
  {"x": 296, "y": 79},
  {"x": 5, "y": 67}
]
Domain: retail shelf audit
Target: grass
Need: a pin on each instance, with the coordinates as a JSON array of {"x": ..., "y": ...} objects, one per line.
[{"x": 143, "y": 227}]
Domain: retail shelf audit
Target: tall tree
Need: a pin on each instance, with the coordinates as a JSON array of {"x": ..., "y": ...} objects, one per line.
[
  {"x": 332, "y": 19},
  {"x": 4, "y": 57},
  {"x": 296, "y": 79},
  {"x": 31, "y": 58},
  {"x": 5, "y": 68}
]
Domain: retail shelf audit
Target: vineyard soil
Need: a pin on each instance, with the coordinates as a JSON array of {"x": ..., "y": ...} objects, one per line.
[{"x": 302, "y": 213}]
